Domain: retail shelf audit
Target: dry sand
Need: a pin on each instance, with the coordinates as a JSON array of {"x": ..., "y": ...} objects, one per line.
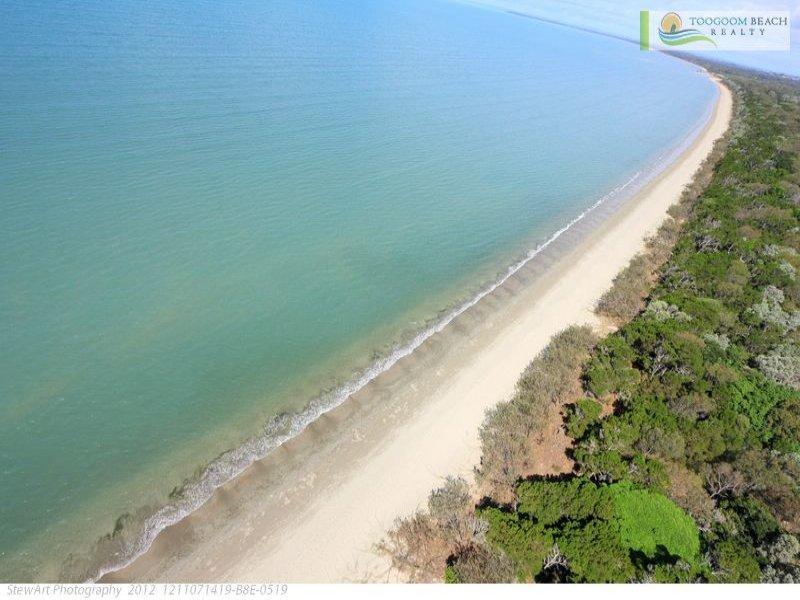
[{"x": 313, "y": 510}]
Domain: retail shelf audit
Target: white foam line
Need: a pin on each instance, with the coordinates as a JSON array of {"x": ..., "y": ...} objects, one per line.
[{"x": 232, "y": 463}]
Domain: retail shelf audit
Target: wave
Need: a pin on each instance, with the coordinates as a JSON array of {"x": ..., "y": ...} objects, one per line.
[{"x": 194, "y": 493}]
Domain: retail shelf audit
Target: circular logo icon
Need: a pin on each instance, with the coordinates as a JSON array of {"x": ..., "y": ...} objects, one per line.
[{"x": 671, "y": 23}]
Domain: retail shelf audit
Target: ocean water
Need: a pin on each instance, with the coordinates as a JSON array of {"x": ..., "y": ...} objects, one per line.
[{"x": 213, "y": 214}]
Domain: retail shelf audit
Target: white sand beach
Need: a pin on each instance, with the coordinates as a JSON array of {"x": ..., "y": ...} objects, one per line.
[{"x": 295, "y": 519}]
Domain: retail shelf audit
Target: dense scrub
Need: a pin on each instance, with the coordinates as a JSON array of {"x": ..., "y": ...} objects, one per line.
[
  {"x": 508, "y": 429},
  {"x": 694, "y": 475}
]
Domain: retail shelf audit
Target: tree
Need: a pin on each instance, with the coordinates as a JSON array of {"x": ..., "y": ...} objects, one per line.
[{"x": 722, "y": 480}]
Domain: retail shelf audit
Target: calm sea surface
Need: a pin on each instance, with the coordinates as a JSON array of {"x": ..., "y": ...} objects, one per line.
[{"x": 210, "y": 212}]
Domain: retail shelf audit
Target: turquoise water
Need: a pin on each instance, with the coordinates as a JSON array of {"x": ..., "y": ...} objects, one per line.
[{"x": 212, "y": 212}]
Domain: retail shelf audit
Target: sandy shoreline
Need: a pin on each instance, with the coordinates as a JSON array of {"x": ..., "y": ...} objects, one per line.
[{"x": 308, "y": 515}]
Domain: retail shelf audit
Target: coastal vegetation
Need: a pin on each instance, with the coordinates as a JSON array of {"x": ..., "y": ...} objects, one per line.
[{"x": 683, "y": 424}]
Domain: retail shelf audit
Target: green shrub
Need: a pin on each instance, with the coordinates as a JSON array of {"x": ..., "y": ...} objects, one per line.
[
  {"x": 611, "y": 369},
  {"x": 582, "y": 415},
  {"x": 735, "y": 562},
  {"x": 754, "y": 399},
  {"x": 755, "y": 518},
  {"x": 596, "y": 553},
  {"x": 650, "y": 521},
  {"x": 524, "y": 541},
  {"x": 574, "y": 500},
  {"x": 784, "y": 425},
  {"x": 598, "y": 529}
]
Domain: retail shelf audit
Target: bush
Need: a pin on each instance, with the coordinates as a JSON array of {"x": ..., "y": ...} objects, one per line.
[
  {"x": 553, "y": 377},
  {"x": 686, "y": 489},
  {"x": 784, "y": 425},
  {"x": 582, "y": 415},
  {"x": 770, "y": 311},
  {"x": 596, "y": 528},
  {"x": 755, "y": 518},
  {"x": 663, "y": 311},
  {"x": 611, "y": 369},
  {"x": 783, "y": 550},
  {"x": 734, "y": 562},
  {"x": 650, "y": 522},
  {"x": 755, "y": 399},
  {"x": 419, "y": 545},
  {"x": 554, "y": 373},
  {"x": 596, "y": 554},
  {"x": 782, "y": 365},
  {"x": 625, "y": 299},
  {"x": 478, "y": 564},
  {"x": 576, "y": 499},
  {"x": 525, "y": 542}
]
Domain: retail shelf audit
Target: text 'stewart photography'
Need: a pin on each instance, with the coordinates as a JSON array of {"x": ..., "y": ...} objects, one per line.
[{"x": 397, "y": 292}]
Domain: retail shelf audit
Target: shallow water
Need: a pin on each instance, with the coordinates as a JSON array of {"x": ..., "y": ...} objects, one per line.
[{"x": 213, "y": 212}]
